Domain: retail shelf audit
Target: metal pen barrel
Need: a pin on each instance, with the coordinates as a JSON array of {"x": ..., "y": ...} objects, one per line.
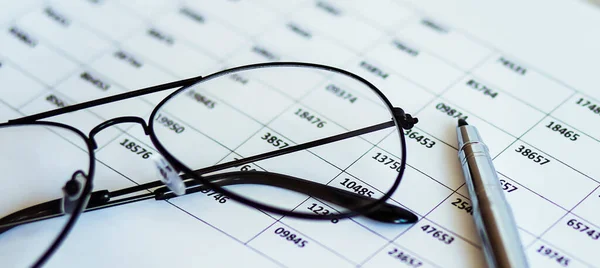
[{"x": 492, "y": 214}]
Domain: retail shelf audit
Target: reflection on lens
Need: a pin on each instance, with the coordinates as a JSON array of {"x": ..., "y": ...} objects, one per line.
[
  {"x": 37, "y": 161},
  {"x": 257, "y": 110}
]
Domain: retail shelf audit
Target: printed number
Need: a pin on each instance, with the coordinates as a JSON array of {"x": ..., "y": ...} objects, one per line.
[
  {"x": 507, "y": 186},
  {"x": 427, "y": 142},
  {"x": 341, "y": 93},
  {"x": 246, "y": 167},
  {"x": 221, "y": 198},
  {"x": 136, "y": 148},
  {"x": 439, "y": 234},
  {"x": 388, "y": 161},
  {"x": 552, "y": 254},
  {"x": 595, "y": 108},
  {"x": 450, "y": 111},
  {"x": 404, "y": 258},
  {"x": 311, "y": 118},
  {"x": 289, "y": 236},
  {"x": 172, "y": 125},
  {"x": 273, "y": 140},
  {"x": 563, "y": 130},
  {"x": 483, "y": 89},
  {"x": 583, "y": 228},
  {"x": 357, "y": 188},
  {"x": 319, "y": 210},
  {"x": 463, "y": 205},
  {"x": 56, "y": 101},
  {"x": 534, "y": 156}
]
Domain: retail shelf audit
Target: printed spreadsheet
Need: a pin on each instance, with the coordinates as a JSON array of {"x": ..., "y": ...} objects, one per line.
[{"x": 541, "y": 131}]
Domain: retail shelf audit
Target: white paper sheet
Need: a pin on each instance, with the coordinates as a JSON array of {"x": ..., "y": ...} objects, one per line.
[{"x": 540, "y": 57}]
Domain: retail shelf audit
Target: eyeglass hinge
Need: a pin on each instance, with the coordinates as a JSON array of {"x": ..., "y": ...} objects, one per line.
[{"x": 405, "y": 120}]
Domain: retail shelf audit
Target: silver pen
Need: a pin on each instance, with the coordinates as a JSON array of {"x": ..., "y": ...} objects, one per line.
[{"x": 493, "y": 216}]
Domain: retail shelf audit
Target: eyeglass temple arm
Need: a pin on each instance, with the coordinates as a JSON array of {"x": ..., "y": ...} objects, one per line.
[
  {"x": 406, "y": 121},
  {"x": 96, "y": 102},
  {"x": 52, "y": 208},
  {"x": 102, "y": 199},
  {"x": 387, "y": 213}
]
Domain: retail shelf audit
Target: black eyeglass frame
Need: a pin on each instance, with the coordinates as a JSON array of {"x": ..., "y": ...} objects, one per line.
[
  {"x": 84, "y": 191},
  {"x": 399, "y": 118}
]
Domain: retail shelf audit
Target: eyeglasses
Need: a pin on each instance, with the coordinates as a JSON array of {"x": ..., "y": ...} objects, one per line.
[{"x": 279, "y": 133}]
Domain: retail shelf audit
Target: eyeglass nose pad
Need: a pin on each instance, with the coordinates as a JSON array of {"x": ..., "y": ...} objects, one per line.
[
  {"x": 72, "y": 192},
  {"x": 169, "y": 176}
]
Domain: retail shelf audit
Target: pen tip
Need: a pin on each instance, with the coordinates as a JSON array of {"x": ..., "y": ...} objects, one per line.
[{"x": 462, "y": 122}]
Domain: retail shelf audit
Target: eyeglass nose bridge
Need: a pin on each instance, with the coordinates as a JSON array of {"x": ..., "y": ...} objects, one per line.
[{"x": 114, "y": 121}]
